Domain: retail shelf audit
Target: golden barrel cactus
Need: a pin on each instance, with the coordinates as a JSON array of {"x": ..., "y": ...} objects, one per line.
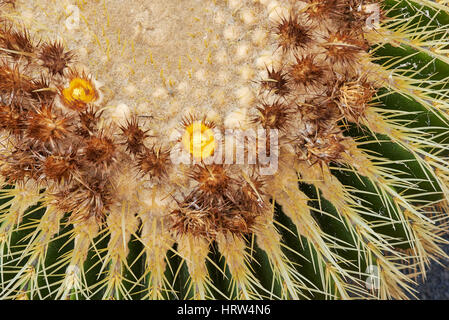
[{"x": 222, "y": 149}]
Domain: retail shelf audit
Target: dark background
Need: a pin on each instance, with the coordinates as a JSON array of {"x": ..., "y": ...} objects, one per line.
[{"x": 436, "y": 286}]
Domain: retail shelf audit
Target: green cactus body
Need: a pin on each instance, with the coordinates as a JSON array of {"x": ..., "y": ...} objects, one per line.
[{"x": 121, "y": 127}]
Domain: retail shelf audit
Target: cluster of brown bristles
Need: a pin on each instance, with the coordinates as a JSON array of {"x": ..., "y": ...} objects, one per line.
[
  {"x": 219, "y": 203},
  {"x": 69, "y": 152},
  {"x": 318, "y": 84},
  {"x": 63, "y": 149}
]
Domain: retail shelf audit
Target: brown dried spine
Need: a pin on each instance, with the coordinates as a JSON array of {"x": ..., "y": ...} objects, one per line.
[
  {"x": 212, "y": 179},
  {"x": 353, "y": 96},
  {"x": 154, "y": 162},
  {"x": 353, "y": 15},
  {"x": 273, "y": 115},
  {"x": 220, "y": 204},
  {"x": 134, "y": 136},
  {"x": 324, "y": 146},
  {"x": 251, "y": 194},
  {"x": 276, "y": 82},
  {"x": 343, "y": 47},
  {"x": 306, "y": 73},
  {"x": 196, "y": 218},
  {"x": 320, "y": 10},
  {"x": 45, "y": 125},
  {"x": 41, "y": 90},
  {"x": 92, "y": 197},
  {"x": 12, "y": 119},
  {"x": 61, "y": 167},
  {"x": 14, "y": 81},
  {"x": 88, "y": 121},
  {"x": 18, "y": 43},
  {"x": 55, "y": 58},
  {"x": 292, "y": 34},
  {"x": 100, "y": 149},
  {"x": 20, "y": 165}
]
